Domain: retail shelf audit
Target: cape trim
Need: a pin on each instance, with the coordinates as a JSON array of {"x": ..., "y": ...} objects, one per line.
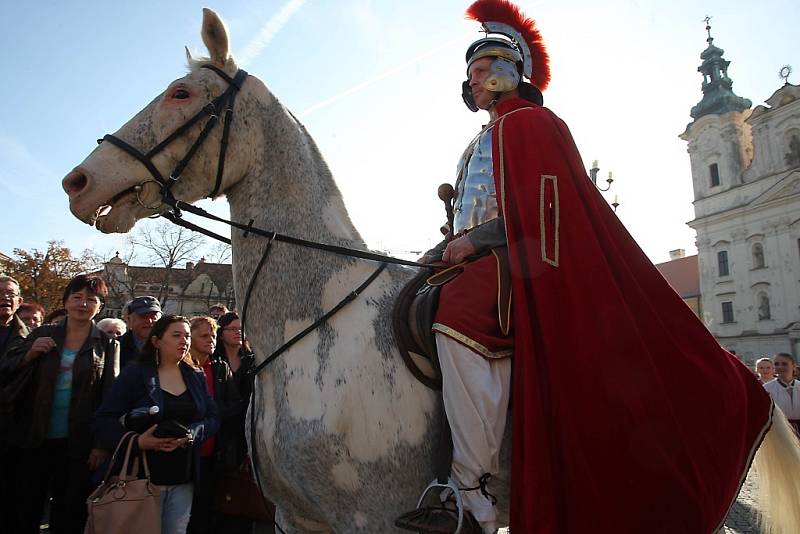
[
  {"x": 545, "y": 207},
  {"x": 470, "y": 343}
]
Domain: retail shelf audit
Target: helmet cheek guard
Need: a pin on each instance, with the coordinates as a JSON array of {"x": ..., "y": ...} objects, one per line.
[
  {"x": 466, "y": 94},
  {"x": 503, "y": 76}
]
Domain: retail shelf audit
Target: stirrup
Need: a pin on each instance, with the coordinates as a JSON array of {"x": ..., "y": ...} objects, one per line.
[{"x": 453, "y": 487}]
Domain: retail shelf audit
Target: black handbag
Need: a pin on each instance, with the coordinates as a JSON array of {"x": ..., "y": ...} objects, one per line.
[{"x": 171, "y": 429}]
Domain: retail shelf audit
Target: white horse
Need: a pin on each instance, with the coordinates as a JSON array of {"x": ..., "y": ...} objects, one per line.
[{"x": 344, "y": 432}]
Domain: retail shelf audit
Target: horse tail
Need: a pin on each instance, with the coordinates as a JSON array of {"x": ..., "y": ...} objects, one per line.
[{"x": 777, "y": 465}]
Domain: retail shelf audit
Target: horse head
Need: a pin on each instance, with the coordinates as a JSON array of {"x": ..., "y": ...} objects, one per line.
[{"x": 113, "y": 187}]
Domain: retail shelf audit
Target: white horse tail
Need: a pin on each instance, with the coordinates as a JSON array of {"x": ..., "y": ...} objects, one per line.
[{"x": 777, "y": 465}]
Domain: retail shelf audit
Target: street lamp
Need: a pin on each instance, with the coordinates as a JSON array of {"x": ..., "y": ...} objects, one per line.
[{"x": 593, "y": 175}]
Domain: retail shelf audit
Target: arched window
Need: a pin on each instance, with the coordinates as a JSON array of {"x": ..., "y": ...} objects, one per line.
[
  {"x": 764, "y": 311},
  {"x": 758, "y": 256}
]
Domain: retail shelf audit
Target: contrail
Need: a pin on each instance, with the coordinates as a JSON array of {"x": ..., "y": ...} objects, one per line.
[
  {"x": 269, "y": 30},
  {"x": 356, "y": 88}
]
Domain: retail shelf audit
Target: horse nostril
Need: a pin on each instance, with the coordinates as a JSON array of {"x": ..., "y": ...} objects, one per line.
[{"x": 75, "y": 182}]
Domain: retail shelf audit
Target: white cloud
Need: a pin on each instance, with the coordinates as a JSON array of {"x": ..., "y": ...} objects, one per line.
[{"x": 269, "y": 30}]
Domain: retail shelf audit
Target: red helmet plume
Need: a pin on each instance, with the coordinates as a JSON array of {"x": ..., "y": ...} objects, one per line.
[{"x": 505, "y": 12}]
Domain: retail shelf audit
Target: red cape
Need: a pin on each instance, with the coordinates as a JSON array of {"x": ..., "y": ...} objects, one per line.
[{"x": 628, "y": 416}]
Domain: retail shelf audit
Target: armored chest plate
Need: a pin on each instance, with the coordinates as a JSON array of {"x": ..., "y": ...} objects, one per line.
[{"x": 475, "y": 199}]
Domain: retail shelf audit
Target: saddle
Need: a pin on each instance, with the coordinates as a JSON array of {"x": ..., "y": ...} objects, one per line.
[
  {"x": 412, "y": 318},
  {"x": 415, "y": 310}
]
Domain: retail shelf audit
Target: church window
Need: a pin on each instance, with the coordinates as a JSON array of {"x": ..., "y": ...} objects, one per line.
[
  {"x": 764, "y": 311},
  {"x": 713, "y": 170},
  {"x": 722, "y": 263},
  {"x": 727, "y": 312},
  {"x": 792, "y": 157},
  {"x": 758, "y": 256}
]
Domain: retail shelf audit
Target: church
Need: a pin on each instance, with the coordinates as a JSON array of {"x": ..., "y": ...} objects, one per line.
[{"x": 746, "y": 172}]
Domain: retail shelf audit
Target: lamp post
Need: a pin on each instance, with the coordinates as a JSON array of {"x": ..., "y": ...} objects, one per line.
[{"x": 593, "y": 175}]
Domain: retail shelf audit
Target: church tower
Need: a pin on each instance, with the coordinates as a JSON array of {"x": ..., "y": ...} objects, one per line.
[
  {"x": 720, "y": 142},
  {"x": 746, "y": 173}
]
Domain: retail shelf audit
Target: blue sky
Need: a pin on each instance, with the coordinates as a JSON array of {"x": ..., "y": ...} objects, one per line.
[{"x": 377, "y": 84}]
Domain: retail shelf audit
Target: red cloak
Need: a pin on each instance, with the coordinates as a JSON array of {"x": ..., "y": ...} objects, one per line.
[{"x": 628, "y": 416}]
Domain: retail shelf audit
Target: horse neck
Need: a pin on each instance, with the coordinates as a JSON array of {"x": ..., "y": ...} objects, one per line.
[{"x": 290, "y": 190}]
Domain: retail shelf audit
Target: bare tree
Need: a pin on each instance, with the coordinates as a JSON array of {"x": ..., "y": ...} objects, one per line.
[
  {"x": 220, "y": 253},
  {"x": 165, "y": 245}
]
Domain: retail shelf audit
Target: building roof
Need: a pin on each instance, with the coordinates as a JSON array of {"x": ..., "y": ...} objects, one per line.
[
  {"x": 220, "y": 273},
  {"x": 683, "y": 274}
]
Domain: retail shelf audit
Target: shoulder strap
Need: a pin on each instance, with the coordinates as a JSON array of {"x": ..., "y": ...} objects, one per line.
[{"x": 128, "y": 436}]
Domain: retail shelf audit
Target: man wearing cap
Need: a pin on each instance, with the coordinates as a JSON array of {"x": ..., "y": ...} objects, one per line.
[
  {"x": 621, "y": 452},
  {"x": 143, "y": 312}
]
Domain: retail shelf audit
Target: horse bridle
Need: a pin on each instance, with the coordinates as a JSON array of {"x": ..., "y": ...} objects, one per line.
[{"x": 213, "y": 110}]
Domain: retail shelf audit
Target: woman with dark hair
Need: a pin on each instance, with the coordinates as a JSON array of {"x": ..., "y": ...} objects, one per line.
[
  {"x": 70, "y": 368},
  {"x": 235, "y": 350},
  {"x": 214, "y": 453},
  {"x": 163, "y": 377}
]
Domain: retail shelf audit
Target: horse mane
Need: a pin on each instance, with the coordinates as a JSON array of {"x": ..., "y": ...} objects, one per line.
[{"x": 194, "y": 62}]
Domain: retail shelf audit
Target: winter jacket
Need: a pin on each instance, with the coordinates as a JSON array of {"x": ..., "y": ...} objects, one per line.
[{"x": 94, "y": 370}]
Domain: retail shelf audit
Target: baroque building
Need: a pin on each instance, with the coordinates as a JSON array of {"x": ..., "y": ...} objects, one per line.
[{"x": 746, "y": 171}]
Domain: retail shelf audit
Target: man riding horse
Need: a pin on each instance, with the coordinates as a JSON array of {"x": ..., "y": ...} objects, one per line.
[{"x": 604, "y": 411}]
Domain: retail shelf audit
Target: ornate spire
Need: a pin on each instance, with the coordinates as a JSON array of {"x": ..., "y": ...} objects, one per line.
[{"x": 718, "y": 95}]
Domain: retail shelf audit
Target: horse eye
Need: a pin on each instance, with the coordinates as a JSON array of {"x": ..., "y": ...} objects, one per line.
[{"x": 181, "y": 94}]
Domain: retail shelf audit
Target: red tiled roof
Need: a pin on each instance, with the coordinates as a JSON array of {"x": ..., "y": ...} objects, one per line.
[{"x": 683, "y": 274}]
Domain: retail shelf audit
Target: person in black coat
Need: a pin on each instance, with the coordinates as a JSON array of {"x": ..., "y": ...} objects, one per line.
[
  {"x": 67, "y": 370},
  {"x": 163, "y": 377},
  {"x": 234, "y": 350},
  {"x": 213, "y": 454},
  {"x": 13, "y": 332}
]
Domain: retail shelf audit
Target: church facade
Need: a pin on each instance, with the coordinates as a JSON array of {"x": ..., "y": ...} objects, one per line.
[{"x": 746, "y": 172}]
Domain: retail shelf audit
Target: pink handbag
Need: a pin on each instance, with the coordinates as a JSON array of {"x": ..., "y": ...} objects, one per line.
[{"x": 124, "y": 503}]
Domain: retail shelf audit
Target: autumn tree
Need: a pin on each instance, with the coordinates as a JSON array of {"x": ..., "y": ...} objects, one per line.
[{"x": 43, "y": 275}]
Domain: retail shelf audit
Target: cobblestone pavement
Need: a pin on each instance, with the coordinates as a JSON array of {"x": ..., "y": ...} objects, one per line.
[{"x": 742, "y": 517}]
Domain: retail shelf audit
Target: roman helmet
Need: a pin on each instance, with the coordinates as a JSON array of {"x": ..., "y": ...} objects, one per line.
[{"x": 517, "y": 46}]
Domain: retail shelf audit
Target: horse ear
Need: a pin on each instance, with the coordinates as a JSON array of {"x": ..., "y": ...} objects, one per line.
[{"x": 215, "y": 37}]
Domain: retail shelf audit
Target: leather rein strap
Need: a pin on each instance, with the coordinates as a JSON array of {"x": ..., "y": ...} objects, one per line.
[{"x": 212, "y": 110}]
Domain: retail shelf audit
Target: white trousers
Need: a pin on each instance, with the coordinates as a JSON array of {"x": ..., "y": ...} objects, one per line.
[{"x": 476, "y": 392}]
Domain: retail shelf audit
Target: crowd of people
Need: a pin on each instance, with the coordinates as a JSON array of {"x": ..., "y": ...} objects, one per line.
[
  {"x": 780, "y": 378},
  {"x": 71, "y": 388}
]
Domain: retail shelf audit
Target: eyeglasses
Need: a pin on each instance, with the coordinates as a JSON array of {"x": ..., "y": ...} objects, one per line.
[
  {"x": 8, "y": 295},
  {"x": 231, "y": 329}
]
